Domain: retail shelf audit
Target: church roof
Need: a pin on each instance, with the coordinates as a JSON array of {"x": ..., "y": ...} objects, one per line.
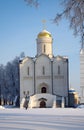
[{"x": 44, "y": 33}]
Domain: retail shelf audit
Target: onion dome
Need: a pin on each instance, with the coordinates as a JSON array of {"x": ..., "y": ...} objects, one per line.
[
  {"x": 82, "y": 51},
  {"x": 44, "y": 33},
  {"x": 72, "y": 90}
]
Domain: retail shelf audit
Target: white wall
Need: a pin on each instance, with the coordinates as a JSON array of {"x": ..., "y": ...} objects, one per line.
[
  {"x": 43, "y": 60},
  {"x": 60, "y": 80},
  {"x": 26, "y": 81}
]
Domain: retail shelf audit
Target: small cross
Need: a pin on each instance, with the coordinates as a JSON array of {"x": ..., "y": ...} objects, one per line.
[{"x": 44, "y": 23}]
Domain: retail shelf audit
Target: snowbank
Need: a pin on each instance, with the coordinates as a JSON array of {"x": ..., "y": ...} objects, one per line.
[
  {"x": 43, "y": 118},
  {"x": 1, "y": 107}
]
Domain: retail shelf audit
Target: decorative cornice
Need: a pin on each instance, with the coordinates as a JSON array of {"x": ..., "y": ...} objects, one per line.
[
  {"x": 43, "y": 77},
  {"x": 28, "y": 77},
  {"x": 59, "y": 76}
]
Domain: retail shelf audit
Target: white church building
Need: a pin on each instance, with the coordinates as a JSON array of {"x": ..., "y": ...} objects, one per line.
[{"x": 44, "y": 79}]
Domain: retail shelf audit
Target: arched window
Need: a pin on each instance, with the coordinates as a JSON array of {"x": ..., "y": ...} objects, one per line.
[
  {"x": 24, "y": 92},
  {"x": 43, "y": 69},
  {"x": 27, "y": 92},
  {"x": 44, "y": 48},
  {"x": 28, "y": 70},
  {"x": 43, "y": 90},
  {"x": 58, "y": 69}
]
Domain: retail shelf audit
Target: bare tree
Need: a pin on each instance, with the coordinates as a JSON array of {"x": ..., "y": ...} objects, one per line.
[
  {"x": 2, "y": 81},
  {"x": 32, "y": 2},
  {"x": 12, "y": 79},
  {"x": 74, "y": 12}
]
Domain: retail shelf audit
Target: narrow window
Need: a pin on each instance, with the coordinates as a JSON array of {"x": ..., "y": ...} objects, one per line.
[
  {"x": 28, "y": 70},
  {"x": 44, "y": 48},
  {"x": 43, "y": 70},
  {"x": 58, "y": 69}
]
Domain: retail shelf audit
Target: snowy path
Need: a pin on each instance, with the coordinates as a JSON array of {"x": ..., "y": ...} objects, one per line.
[{"x": 42, "y": 119}]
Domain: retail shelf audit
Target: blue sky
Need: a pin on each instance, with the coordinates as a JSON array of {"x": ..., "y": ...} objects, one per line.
[{"x": 20, "y": 25}]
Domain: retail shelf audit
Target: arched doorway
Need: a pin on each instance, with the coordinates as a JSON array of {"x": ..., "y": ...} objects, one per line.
[
  {"x": 43, "y": 90},
  {"x": 42, "y": 104}
]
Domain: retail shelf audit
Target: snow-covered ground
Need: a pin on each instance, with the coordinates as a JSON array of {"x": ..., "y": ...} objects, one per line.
[{"x": 42, "y": 119}]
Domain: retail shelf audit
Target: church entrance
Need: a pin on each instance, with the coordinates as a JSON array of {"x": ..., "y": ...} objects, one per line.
[{"x": 42, "y": 104}]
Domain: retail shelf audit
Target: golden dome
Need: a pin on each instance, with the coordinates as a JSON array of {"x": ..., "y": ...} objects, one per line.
[{"x": 44, "y": 33}]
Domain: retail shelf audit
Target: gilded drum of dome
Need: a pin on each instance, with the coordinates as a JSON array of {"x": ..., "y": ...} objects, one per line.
[{"x": 44, "y": 34}]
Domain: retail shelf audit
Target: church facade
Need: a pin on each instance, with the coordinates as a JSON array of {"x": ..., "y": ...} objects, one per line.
[{"x": 44, "y": 78}]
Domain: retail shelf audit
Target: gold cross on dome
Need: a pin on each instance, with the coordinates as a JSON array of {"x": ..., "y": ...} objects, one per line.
[{"x": 44, "y": 23}]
